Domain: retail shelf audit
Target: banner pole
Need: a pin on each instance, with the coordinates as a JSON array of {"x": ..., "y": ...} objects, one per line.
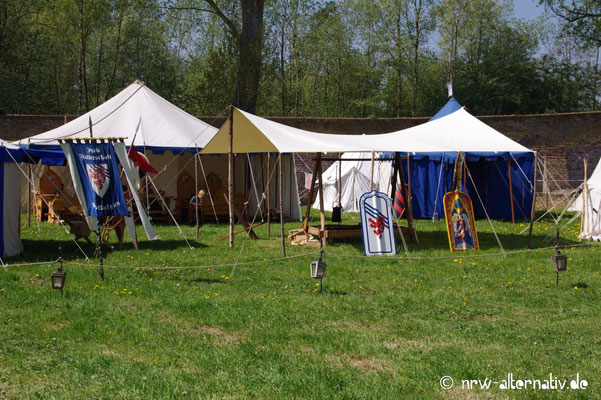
[
  {"x": 268, "y": 195},
  {"x": 196, "y": 191},
  {"x": 533, "y": 209}
]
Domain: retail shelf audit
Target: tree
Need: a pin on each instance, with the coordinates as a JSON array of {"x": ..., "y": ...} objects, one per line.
[{"x": 582, "y": 17}]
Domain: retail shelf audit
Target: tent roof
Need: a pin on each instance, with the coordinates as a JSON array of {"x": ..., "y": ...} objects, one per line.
[
  {"x": 449, "y": 108},
  {"x": 455, "y": 132},
  {"x": 253, "y": 134},
  {"x": 163, "y": 126},
  {"x": 461, "y": 131}
]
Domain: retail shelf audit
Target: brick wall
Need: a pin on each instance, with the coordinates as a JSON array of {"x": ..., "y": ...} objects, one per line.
[{"x": 564, "y": 140}]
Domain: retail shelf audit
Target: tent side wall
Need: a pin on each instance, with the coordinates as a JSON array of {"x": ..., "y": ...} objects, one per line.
[{"x": 10, "y": 242}]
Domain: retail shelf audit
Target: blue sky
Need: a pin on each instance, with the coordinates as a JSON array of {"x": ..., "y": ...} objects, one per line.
[{"x": 527, "y": 9}]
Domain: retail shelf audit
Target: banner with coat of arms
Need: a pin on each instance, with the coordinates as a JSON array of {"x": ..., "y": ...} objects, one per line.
[
  {"x": 377, "y": 224},
  {"x": 99, "y": 179}
]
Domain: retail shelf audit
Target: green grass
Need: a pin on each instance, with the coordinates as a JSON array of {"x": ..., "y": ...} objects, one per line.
[{"x": 381, "y": 327}]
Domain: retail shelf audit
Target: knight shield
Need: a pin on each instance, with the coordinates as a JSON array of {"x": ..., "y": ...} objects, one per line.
[
  {"x": 100, "y": 180},
  {"x": 377, "y": 224}
]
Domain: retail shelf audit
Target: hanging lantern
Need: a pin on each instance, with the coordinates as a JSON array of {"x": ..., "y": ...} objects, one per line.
[
  {"x": 318, "y": 269},
  {"x": 560, "y": 261},
  {"x": 58, "y": 277}
]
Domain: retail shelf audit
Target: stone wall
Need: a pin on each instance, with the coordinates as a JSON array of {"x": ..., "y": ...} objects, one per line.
[{"x": 564, "y": 140}]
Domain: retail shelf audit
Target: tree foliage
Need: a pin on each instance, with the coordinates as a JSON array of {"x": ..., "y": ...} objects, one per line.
[{"x": 352, "y": 58}]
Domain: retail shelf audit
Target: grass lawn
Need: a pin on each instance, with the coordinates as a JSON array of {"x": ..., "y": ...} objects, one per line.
[{"x": 381, "y": 327}]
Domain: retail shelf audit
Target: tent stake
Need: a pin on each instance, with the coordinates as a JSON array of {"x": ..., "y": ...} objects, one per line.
[
  {"x": 230, "y": 178},
  {"x": 510, "y": 191},
  {"x": 281, "y": 206},
  {"x": 533, "y": 209}
]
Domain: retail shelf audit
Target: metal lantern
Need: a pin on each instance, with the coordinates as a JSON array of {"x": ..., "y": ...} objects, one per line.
[
  {"x": 58, "y": 277},
  {"x": 318, "y": 269},
  {"x": 560, "y": 261}
]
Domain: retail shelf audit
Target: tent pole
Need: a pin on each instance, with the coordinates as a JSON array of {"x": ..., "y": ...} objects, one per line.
[
  {"x": 305, "y": 224},
  {"x": 584, "y": 197},
  {"x": 533, "y": 210},
  {"x": 405, "y": 198},
  {"x": 371, "y": 176},
  {"x": 281, "y": 176},
  {"x": 269, "y": 195},
  {"x": 510, "y": 191},
  {"x": 29, "y": 196},
  {"x": 545, "y": 187},
  {"x": 290, "y": 189},
  {"x": 196, "y": 191},
  {"x": 322, "y": 215},
  {"x": 340, "y": 184},
  {"x": 408, "y": 203},
  {"x": 395, "y": 170},
  {"x": 230, "y": 177}
]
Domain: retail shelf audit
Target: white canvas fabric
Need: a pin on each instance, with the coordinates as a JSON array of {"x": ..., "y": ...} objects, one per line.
[
  {"x": 11, "y": 211},
  {"x": 162, "y": 125},
  {"x": 459, "y": 131},
  {"x": 355, "y": 178},
  {"x": 590, "y": 202}
]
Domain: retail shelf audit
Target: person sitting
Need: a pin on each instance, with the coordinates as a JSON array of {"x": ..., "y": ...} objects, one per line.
[{"x": 195, "y": 203}]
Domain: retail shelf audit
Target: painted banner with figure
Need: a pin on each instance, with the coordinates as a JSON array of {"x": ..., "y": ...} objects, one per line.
[
  {"x": 377, "y": 225},
  {"x": 99, "y": 179},
  {"x": 461, "y": 224}
]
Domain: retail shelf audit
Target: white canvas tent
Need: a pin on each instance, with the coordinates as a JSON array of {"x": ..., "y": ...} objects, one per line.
[
  {"x": 589, "y": 204},
  {"x": 10, "y": 237},
  {"x": 355, "y": 177},
  {"x": 169, "y": 137}
]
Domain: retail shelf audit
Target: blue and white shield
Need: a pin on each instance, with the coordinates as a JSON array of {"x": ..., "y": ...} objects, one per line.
[{"x": 377, "y": 225}]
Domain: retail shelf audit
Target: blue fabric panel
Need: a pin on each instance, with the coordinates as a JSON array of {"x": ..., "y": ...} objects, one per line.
[
  {"x": 6, "y": 153},
  {"x": 1, "y": 209},
  {"x": 449, "y": 108}
]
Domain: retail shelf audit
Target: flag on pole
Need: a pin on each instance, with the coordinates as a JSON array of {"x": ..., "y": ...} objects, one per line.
[
  {"x": 450, "y": 88},
  {"x": 399, "y": 201},
  {"x": 140, "y": 160}
]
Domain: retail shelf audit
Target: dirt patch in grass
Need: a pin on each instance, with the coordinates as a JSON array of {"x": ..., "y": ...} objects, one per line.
[
  {"x": 220, "y": 335},
  {"x": 369, "y": 364}
]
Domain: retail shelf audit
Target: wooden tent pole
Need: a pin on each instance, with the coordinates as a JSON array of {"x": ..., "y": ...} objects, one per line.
[
  {"x": 281, "y": 205},
  {"x": 405, "y": 198},
  {"x": 196, "y": 192},
  {"x": 533, "y": 209},
  {"x": 584, "y": 197},
  {"x": 268, "y": 194},
  {"x": 322, "y": 215},
  {"x": 371, "y": 179},
  {"x": 340, "y": 184},
  {"x": 29, "y": 195},
  {"x": 305, "y": 224},
  {"x": 230, "y": 177},
  {"x": 510, "y": 191},
  {"x": 408, "y": 203}
]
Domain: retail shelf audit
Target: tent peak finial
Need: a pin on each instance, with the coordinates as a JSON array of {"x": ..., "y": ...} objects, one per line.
[{"x": 140, "y": 82}]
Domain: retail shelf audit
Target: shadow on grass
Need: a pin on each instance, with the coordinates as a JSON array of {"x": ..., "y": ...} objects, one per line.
[
  {"x": 436, "y": 240},
  {"x": 48, "y": 249}
]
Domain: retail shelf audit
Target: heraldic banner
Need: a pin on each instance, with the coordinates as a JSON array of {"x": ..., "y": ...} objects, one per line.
[
  {"x": 377, "y": 225},
  {"x": 99, "y": 179},
  {"x": 461, "y": 224}
]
